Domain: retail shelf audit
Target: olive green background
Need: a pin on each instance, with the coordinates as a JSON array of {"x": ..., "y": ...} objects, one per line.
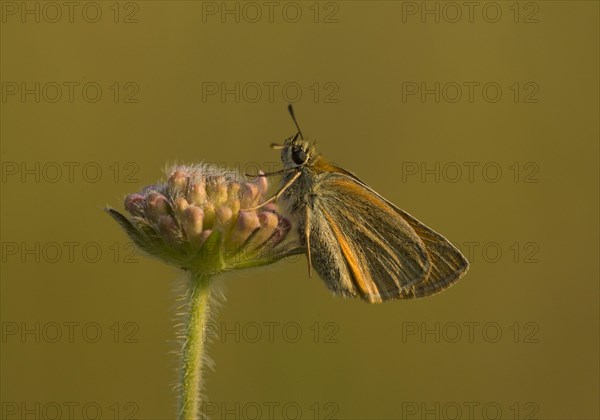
[{"x": 365, "y": 362}]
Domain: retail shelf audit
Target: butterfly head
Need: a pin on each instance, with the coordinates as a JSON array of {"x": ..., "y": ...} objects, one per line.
[{"x": 296, "y": 151}]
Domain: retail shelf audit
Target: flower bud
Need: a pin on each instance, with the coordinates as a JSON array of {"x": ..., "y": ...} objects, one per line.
[
  {"x": 223, "y": 217},
  {"x": 262, "y": 183},
  {"x": 157, "y": 205},
  {"x": 250, "y": 195},
  {"x": 268, "y": 224},
  {"x": 282, "y": 231},
  {"x": 198, "y": 192},
  {"x": 135, "y": 204},
  {"x": 192, "y": 223},
  {"x": 177, "y": 183},
  {"x": 233, "y": 190},
  {"x": 272, "y": 207},
  {"x": 246, "y": 224},
  {"x": 180, "y": 205}
]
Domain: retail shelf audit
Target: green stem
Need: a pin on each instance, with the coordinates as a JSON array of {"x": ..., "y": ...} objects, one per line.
[{"x": 193, "y": 347}]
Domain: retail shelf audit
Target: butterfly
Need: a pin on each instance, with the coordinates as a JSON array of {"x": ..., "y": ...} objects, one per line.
[{"x": 358, "y": 242}]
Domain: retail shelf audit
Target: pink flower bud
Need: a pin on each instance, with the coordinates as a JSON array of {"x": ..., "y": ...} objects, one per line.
[
  {"x": 247, "y": 223},
  {"x": 177, "y": 183},
  {"x": 192, "y": 222},
  {"x": 180, "y": 205},
  {"x": 220, "y": 196},
  {"x": 272, "y": 207},
  {"x": 157, "y": 205},
  {"x": 223, "y": 218},
  {"x": 135, "y": 204},
  {"x": 268, "y": 225},
  {"x": 262, "y": 183},
  {"x": 233, "y": 190},
  {"x": 280, "y": 234},
  {"x": 249, "y": 195},
  {"x": 197, "y": 193}
]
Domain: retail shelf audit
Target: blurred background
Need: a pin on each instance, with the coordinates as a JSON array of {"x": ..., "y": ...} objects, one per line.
[{"x": 481, "y": 119}]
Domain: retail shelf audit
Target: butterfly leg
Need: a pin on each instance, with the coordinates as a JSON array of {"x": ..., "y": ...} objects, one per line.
[
  {"x": 307, "y": 236},
  {"x": 278, "y": 194},
  {"x": 282, "y": 171}
]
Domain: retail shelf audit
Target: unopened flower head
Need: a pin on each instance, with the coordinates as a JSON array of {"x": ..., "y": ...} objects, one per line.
[{"x": 197, "y": 221}]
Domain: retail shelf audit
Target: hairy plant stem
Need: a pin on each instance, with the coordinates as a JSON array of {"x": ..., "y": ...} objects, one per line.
[{"x": 193, "y": 346}]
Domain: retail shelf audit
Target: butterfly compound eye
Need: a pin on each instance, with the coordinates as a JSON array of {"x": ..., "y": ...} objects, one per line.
[{"x": 298, "y": 156}]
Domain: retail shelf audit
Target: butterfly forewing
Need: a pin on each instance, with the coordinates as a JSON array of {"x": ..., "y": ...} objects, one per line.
[
  {"x": 383, "y": 255},
  {"x": 447, "y": 262},
  {"x": 388, "y": 253}
]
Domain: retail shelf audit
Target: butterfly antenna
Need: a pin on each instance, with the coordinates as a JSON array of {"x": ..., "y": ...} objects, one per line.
[{"x": 291, "y": 110}]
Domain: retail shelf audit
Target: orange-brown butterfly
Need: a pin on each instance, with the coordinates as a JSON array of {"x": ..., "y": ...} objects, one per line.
[{"x": 357, "y": 241}]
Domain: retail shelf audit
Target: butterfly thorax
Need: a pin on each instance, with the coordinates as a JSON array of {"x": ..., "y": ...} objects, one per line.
[{"x": 302, "y": 192}]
